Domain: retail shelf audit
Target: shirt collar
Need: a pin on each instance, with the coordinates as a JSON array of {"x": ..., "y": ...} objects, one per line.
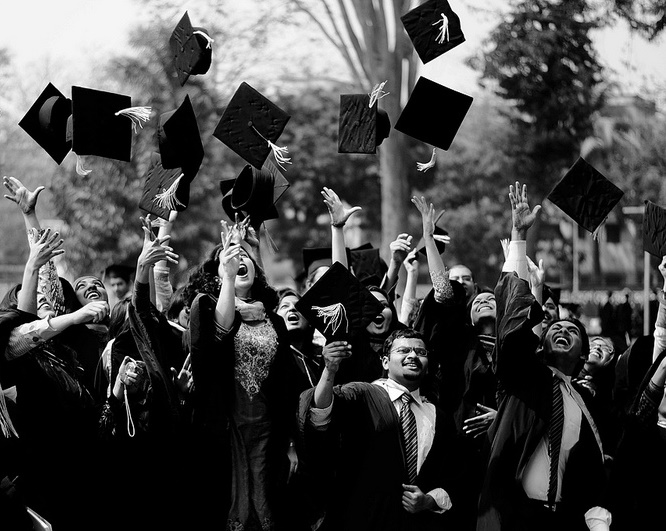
[
  {"x": 396, "y": 390},
  {"x": 560, "y": 375}
]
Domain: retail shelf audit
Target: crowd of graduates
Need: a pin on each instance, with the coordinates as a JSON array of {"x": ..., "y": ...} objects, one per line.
[{"x": 206, "y": 404}]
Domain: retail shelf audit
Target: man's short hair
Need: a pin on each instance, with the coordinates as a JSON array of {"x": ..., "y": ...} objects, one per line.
[
  {"x": 407, "y": 333},
  {"x": 118, "y": 270}
]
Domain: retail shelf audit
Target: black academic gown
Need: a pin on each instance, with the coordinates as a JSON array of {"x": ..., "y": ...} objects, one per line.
[
  {"x": 362, "y": 463},
  {"x": 523, "y": 418}
]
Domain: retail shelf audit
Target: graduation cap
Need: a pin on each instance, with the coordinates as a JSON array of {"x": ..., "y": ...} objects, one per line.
[
  {"x": 654, "y": 230},
  {"x": 433, "y": 28},
  {"x": 179, "y": 139},
  {"x": 433, "y": 113},
  {"x": 441, "y": 246},
  {"x": 46, "y": 122},
  {"x": 102, "y": 124},
  {"x": 250, "y": 126},
  {"x": 362, "y": 126},
  {"x": 191, "y": 49},
  {"x": 367, "y": 265},
  {"x": 338, "y": 305},
  {"x": 164, "y": 190},
  {"x": 551, "y": 292},
  {"x": 316, "y": 257},
  {"x": 585, "y": 195},
  {"x": 254, "y": 193}
]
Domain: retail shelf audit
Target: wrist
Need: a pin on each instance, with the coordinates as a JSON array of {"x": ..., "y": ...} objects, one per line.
[
  {"x": 338, "y": 224},
  {"x": 518, "y": 234}
]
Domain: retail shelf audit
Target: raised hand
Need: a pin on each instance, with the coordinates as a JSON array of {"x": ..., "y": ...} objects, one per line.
[
  {"x": 523, "y": 217},
  {"x": 44, "y": 247},
  {"x": 183, "y": 379},
  {"x": 147, "y": 227},
  {"x": 427, "y": 211},
  {"x": 93, "y": 312},
  {"x": 334, "y": 352},
  {"x": 230, "y": 256},
  {"x": 400, "y": 248},
  {"x": 505, "y": 247},
  {"x": 537, "y": 273},
  {"x": 411, "y": 262},
  {"x": 19, "y": 194},
  {"x": 479, "y": 424},
  {"x": 338, "y": 212}
]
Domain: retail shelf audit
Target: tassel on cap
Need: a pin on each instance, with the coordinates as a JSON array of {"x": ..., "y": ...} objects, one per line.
[
  {"x": 425, "y": 166},
  {"x": 138, "y": 115},
  {"x": 5, "y": 421},
  {"x": 167, "y": 198},
  {"x": 270, "y": 240},
  {"x": 209, "y": 41},
  {"x": 278, "y": 152},
  {"x": 79, "y": 167},
  {"x": 334, "y": 316},
  {"x": 443, "y": 35},
  {"x": 377, "y": 93}
]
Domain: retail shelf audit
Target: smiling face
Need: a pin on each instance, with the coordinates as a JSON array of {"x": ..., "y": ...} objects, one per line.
[
  {"x": 563, "y": 346},
  {"x": 44, "y": 308},
  {"x": 550, "y": 312},
  {"x": 292, "y": 318},
  {"x": 407, "y": 362},
  {"x": 601, "y": 354},
  {"x": 483, "y": 306},
  {"x": 382, "y": 323},
  {"x": 89, "y": 289}
]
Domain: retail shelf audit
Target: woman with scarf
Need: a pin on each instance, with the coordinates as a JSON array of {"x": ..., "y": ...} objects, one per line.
[{"x": 245, "y": 403}]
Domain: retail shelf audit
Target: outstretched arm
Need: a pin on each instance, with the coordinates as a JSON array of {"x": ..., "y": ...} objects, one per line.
[
  {"x": 523, "y": 218},
  {"x": 42, "y": 249},
  {"x": 660, "y": 323},
  {"x": 399, "y": 249},
  {"x": 163, "y": 287},
  {"x": 411, "y": 265},
  {"x": 339, "y": 215},
  {"x": 25, "y": 199}
]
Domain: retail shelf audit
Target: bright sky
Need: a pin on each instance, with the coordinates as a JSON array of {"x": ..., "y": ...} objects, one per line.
[{"x": 75, "y": 35}]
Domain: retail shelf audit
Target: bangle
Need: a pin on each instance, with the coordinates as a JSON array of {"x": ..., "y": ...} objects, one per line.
[
  {"x": 292, "y": 444},
  {"x": 338, "y": 225}
]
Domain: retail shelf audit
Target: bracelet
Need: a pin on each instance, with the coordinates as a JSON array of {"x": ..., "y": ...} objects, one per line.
[
  {"x": 338, "y": 225},
  {"x": 292, "y": 444}
]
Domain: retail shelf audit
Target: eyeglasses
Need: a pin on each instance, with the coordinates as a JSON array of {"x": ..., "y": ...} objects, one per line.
[{"x": 404, "y": 351}]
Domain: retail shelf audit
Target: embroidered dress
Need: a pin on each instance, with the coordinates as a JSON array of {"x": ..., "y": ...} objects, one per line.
[{"x": 255, "y": 349}]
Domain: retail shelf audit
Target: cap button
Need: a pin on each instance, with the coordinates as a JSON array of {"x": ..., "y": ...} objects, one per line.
[{"x": 249, "y": 123}]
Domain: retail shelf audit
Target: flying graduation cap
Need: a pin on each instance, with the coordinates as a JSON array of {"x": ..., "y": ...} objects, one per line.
[
  {"x": 250, "y": 126},
  {"x": 367, "y": 264},
  {"x": 434, "y": 113},
  {"x": 46, "y": 122},
  {"x": 102, "y": 124},
  {"x": 338, "y": 305},
  {"x": 254, "y": 193},
  {"x": 654, "y": 230},
  {"x": 363, "y": 125},
  {"x": 191, "y": 49},
  {"x": 433, "y": 28},
  {"x": 586, "y": 196},
  {"x": 164, "y": 189}
]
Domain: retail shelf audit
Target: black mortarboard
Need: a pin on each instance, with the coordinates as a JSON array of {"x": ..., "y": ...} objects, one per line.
[
  {"x": 338, "y": 305},
  {"x": 361, "y": 128},
  {"x": 97, "y": 129},
  {"x": 433, "y": 28},
  {"x": 433, "y": 113},
  {"x": 46, "y": 122},
  {"x": 551, "y": 292},
  {"x": 441, "y": 246},
  {"x": 163, "y": 191},
  {"x": 192, "y": 52},
  {"x": 179, "y": 139},
  {"x": 315, "y": 257},
  {"x": 254, "y": 193},
  {"x": 654, "y": 230},
  {"x": 367, "y": 264},
  {"x": 249, "y": 123},
  {"x": 585, "y": 195}
]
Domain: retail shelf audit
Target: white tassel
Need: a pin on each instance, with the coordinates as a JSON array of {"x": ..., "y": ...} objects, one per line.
[
  {"x": 443, "y": 35},
  {"x": 271, "y": 242},
  {"x": 425, "y": 166},
  {"x": 5, "y": 421},
  {"x": 377, "y": 93},
  {"x": 79, "y": 167},
  {"x": 279, "y": 154},
  {"x": 138, "y": 115},
  {"x": 208, "y": 39},
  {"x": 167, "y": 198},
  {"x": 333, "y": 315}
]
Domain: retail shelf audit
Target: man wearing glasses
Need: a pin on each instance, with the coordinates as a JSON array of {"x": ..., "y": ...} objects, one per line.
[{"x": 390, "y": 455}]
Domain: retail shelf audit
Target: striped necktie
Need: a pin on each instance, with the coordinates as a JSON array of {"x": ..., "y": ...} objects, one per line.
[
  {"x": 555, "y": 439},
  {"x": 409, "y": 436}
]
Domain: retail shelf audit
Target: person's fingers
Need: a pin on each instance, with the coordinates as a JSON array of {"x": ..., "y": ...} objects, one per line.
[{"x": 410, "y": 488}]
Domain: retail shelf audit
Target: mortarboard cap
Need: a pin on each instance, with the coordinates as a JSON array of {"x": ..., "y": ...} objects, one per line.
[
  {"x": 433, "y": 28},
  {"x": 191, "y": 49},
  {"x": 164, "y": 190},
  {"x": 254, "y": 193},
  {"x": 179, "y": 139},
  {"x": 338, "y": 305},
  {"x": 46, "y": 122},
  {"x": 362, "y": 127},
  {"x": 97, "y": 129},
  {"x": 441, "y": 246},
  {"x": 551, "y": 292},
  {"x": 654, "y": 230},
  {"x": 433, "y": 114},
  {"x": 585, "y": 195},
  {"x": 316, "y": 257},
  {"x": 367, "y": 264},
  {"x": 249, "y": 123}
]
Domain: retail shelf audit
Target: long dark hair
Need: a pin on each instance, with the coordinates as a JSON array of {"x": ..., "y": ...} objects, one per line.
[{"x": 204, "y": 279}]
